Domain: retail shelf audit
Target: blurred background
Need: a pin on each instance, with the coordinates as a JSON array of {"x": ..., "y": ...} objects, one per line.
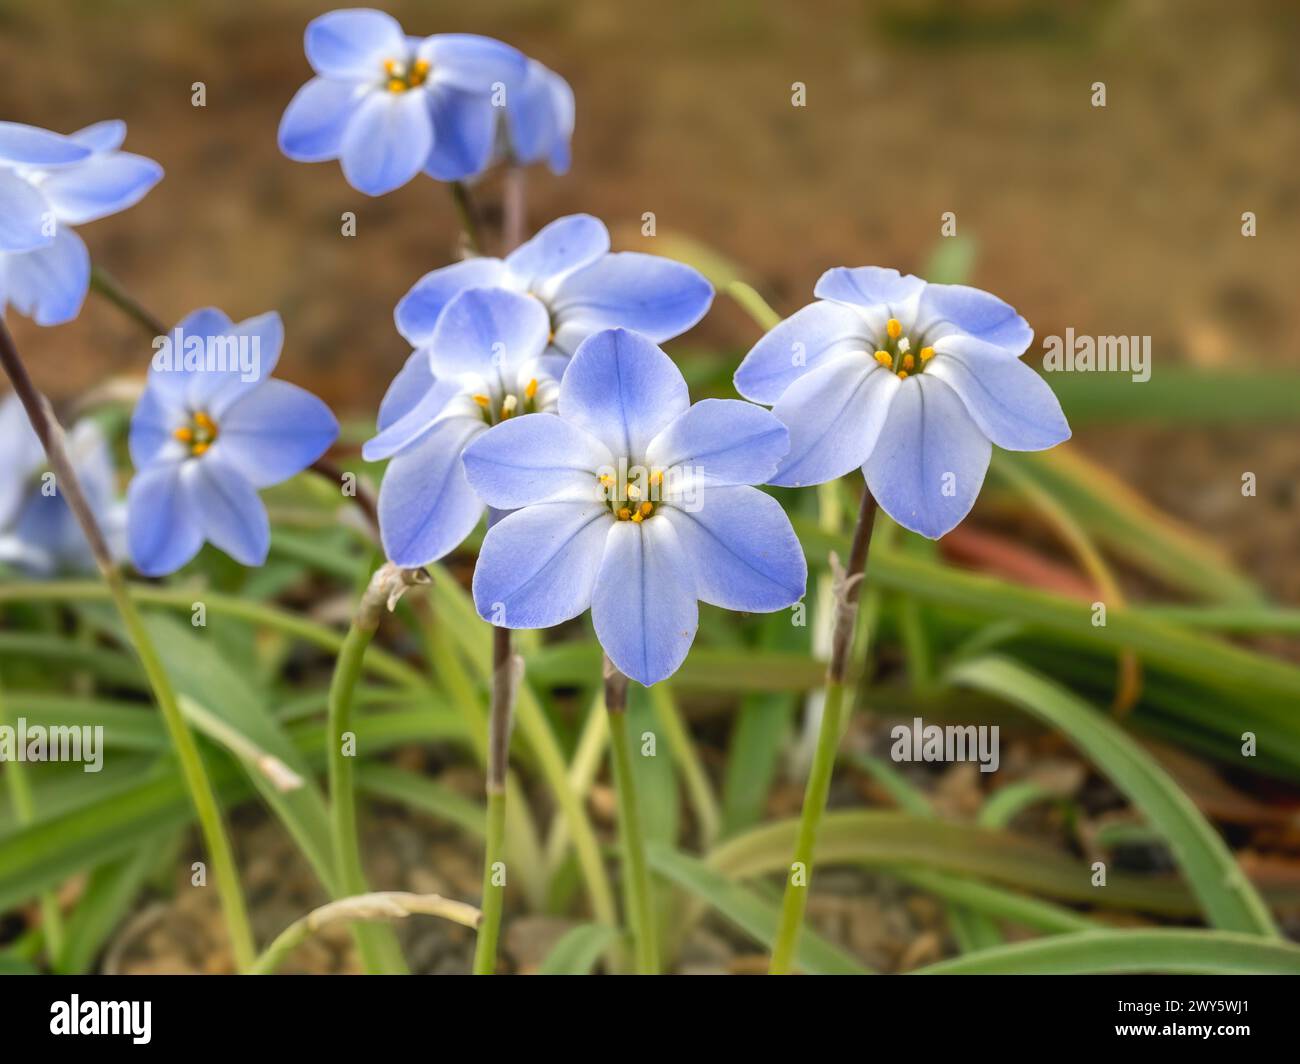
[{"x": 1123, "y": 220}]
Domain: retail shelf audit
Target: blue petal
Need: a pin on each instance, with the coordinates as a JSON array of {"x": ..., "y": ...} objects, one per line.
[
  {"x": 723, "y": 441},
  {"x": 535, "y": 458},
  {"x": 102, "y": 136},
  {"x": 104, "y": 184},
  {"x": 742, "y": 549},
  {"x": 426, "y": 506},
  {"x": 464, "y": 131},
  {"x": 312, "y": 127},
  {"x": 538, "y": 565},
  {"x": 835, "y": 415},
  {"x": 1012, "y": 405},
  {"x": 488, "y": 330},
  {"x": 472, "y": 63},
  {"x": 420, "y": 308},
  {"x": 539, "y": 114},
  {"x": 251, "y": 350},
  {"x": 809, "y": 337},
  {"x": 565, "y": 244},
  {"x": 657, "y": 297},
  {"x": 869, "y": 286},
  {"x": 387, "y": 141},
  {"x": 623, "y": 390},
  {"x": 227, "y": 509},
  {"x": 49, "y": 284},
  {"x": 954, "y": 308},
  {"x": 274, "y": 432},
  {"x": 353, "y": 44},
  {"x": 163, "y": 532},
  {"x": 644, "y": 606},
  {"x": 25, "y": 223},
  {"x": 24, "y": 145},
  {"x": 153, "y": 421},
  {"x": 927, "y": 468},
  {"x": 405, "y": 390},
  {"x": 414, "y": 423}
]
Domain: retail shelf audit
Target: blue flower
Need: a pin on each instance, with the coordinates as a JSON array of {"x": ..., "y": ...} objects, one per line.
[
  {"x": 49, "y": 183},
  {"x": 38, "y": 533},
  {"x": 913, "y": 382},
  {"x": 388, "y": 106},
  {"x": 584, "y": 288},
  {"x": 211, "y": 429},
  {"x": 539, "y": 119},
  {"x": 486, "y": 363},
  {"x": 636, "y": 504}
]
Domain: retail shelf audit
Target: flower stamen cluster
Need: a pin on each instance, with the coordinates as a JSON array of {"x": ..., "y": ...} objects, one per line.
[
  {"x": 895, "y": 352},
  {"x": 199, "y": 435},
  {"x": 401, "y": 75}
]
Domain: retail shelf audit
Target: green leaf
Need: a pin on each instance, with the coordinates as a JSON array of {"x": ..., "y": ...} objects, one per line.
[
  {"x": 1114, "y": 952},
  {"x": 578, "y": 950},
  {"x": 1228, "y": 898},
  {"x": 422, "y": 794},
  {"x": 751, "y": 914}
]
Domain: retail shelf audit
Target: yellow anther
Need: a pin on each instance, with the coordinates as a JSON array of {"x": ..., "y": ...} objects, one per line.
[
  {"x": 927, "y": 353},
  {"x": 508, "y": 405},
  {"x": 184, "y": 435},
  {"x": 908, "y": 362},
  {"x": 657, "y": 477},
  {"x": 203, "y": 421},
  {"x": 894, "y": 327},
  {"x": 419, "y": 71},
  {"x": 638, "y": 517},
  {"x": 606, "y": 479},
  {"x": 390, "y": 66},
  {"x": 482, "y": 401},
  {"x": 397, "y": 85},
  {"x": 883, "y": 357},
  {"x": 902, "y": 374},
  {"x": 199, "y": 448},
  {"x": 624, "y": 514},
  {"x": 646, "y": 509},
  {"x": 530, "y": 389}
]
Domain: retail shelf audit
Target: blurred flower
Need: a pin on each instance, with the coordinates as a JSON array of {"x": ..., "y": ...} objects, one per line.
[
  {"x": 485, "y": 363},
  {"x": 388, "y": 106},
  {"x": 539, "y": 118},
  {"x": 49, "y": 183},
  {"x": 38, "y": 533},
  {"x": 911, "y": 381},
  {"x": 567, "y": 266},
  {"x": 636, "y": 504},
  {"x": 211, "y": 429}
]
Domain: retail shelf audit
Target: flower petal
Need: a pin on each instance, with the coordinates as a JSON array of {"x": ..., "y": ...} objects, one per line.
[
  {"x": 464, "y": 132},
  {"x": 946, "y": 309},
  {"x": 623, "y": 390},
  {"x": 835, "y": 415},
  {"x": 488, "y": 331},
  {"x": 352, "y": 44},
  {"x": 657, "y": 297},
  {"x": 163, "y": 531},
  {"x": 644, "y": 605},
  {"x": 538, "y": 565},
  {"x": 539, "y": 115},
  {"x": 23, "y": 145},
  {"x": 1013, "y": 406},
  {"x": 870, "y": 286},
  {"x": 742, "y": 548},
  {"x": 227, "y": 509},
  {"x": 426, "y": 506},
  {"x": 387, "y": 141},
  {"x": 419, "y": 310},
  {"x": 805, "y": 340},
  {"x": 565, "y": 244},
  {"x": 722, "y": 441},
  {"x": 239, "y": 359},
  {"x": 104, "y": 184},
  {"x": 535, "y": 458},
  {"x": 153, "y": 422},
  {"x": 403, "y": 431},
  {"x": 22, "y": 452},
  {"x": 101, "y": 136},
  {"x": 49, "y": 284},
  {"x": 312, "y": 126},
  {"x": 273, "y": 432},
  {"x": 471, "y": 62},
  {"x": 927, "y": 468},
  {"x": 25, "y": 221}
]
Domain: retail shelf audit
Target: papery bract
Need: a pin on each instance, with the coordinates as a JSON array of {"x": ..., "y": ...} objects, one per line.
[
  {"x": 634, "y": 503},
  {"x": 912, "y": 382}
]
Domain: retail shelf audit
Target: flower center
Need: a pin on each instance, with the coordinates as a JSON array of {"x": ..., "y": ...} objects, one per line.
[
  {"x": 402, "y": 75},
  {"x": 895, "y": 352},
  {"x": 631, "y": 494},
  {"x": 198, "y": 435},
  {"x": 511, "y": 404}
]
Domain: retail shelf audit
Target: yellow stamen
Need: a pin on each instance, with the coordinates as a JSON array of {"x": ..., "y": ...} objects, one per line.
[
  {"x": 894, "y": 327},
  {"x": 419, "y": 72},
  {"x": 646, "y": 509},
  {"x": 396, "y": 85},
  {"x": 508, "y": 405},
  {"x": 482, "y": 401},
  {"x": 883, "y": 358},
  {"x": 199, "y": 448},
  {"x": 624, "y": 514},
  {"x": 531, "y": 389},
  {"x": 203, "y": 421},
  {"x": 902, "y": 374},
  {"x": 606, "y": 479},
  {"x": 657, "y": 477},
  {"x": 184, "y": 435},
  {"x": 390, "y": 66},
  {"x": 927, "y": 353},
  {"x": 908, "y": 362},
  {"x": 638, "y": 517}
]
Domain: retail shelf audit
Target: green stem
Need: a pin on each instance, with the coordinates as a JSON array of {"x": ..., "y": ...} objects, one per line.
[
  {"x": 107, "y": 287},
  {"x": 498, "y": 760},
  {"x": 195, "y": 775},
  {"x": 468, "y": 217},
  {"x": 377, "y": 945},
  {"x": 799, "y": 881},
  {"x": 636, "y": 874}
]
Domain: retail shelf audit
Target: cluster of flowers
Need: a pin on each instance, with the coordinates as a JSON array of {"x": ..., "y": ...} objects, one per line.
[{"x": 536, "y": 390}]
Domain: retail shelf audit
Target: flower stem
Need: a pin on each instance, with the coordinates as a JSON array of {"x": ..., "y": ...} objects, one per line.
[
  {"x": 468, "y": 216},
  {"x": 828, "y": 741},
  {"x": 513, "y": 209},
  {"x": 636, "y": 876},
  {"x": 195, "y": 775},
  {"x": 107, "y": 287},
  {"x": 498, "y": 758},
  {"x": 377, "y": 944}
]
